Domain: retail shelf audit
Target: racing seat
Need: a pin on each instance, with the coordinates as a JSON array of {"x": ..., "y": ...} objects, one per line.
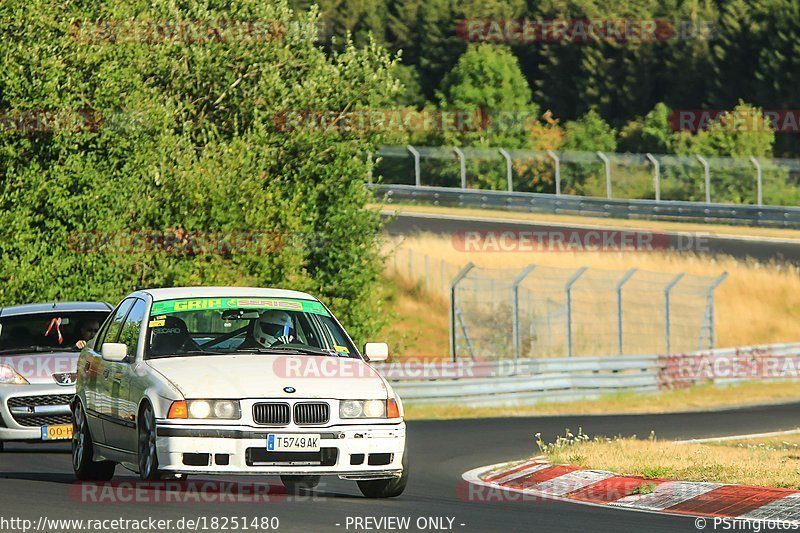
[{"x": 171, "y": 338}]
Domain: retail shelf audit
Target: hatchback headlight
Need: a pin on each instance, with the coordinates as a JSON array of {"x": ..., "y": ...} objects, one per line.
[
  {"x": 362, "y": 409},
  {"x": 9, "y": 376},
  {"x": 222, "y": 409}
]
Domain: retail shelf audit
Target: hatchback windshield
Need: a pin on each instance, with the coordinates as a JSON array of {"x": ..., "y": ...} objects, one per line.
[
  {"x": 196, "y": 326},
  {"x": 47, "y": 332}
]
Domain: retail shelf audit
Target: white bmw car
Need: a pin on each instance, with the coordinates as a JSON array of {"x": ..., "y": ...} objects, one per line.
[{"x": 231, "y": 380}]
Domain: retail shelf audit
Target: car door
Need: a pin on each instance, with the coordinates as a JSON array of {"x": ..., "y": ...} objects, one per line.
[
  {"x": 120, "y": 427},
  {"x": 95, "y": 368}
]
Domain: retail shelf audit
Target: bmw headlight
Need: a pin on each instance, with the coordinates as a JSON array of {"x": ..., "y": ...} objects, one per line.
[
  {"x": 362, "y": 409},
  {"x": 9, "y": 376},
  {"x": 222, "y": 409}
]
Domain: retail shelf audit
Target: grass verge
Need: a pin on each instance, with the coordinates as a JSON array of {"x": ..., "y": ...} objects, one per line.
[
  {"x": 770, "y": 462},
  {"x": 699, "y": 398}
]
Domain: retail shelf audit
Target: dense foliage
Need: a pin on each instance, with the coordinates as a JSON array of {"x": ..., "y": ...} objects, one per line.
[
  {"x": 185, "y": 139},
  {"x": 715, "y": 54}
]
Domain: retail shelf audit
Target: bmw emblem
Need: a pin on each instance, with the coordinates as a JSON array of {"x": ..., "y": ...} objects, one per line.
[{"x": 290, "y": 390}]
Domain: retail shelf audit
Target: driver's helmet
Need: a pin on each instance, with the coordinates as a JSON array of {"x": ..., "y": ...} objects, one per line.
[{"x": 271, "y": 326}]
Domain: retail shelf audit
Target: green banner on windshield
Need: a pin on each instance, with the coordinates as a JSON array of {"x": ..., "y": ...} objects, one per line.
[{"x": 203, "y": 304}]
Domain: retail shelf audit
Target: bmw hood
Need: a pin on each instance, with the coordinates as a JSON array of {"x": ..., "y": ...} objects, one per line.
[{"x": 240, "y": 376}]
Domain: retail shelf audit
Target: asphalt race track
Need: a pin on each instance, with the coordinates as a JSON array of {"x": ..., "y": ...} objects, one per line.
[
  {"x": 39, "y": 480},
  {"x": 761, "y": 248}
]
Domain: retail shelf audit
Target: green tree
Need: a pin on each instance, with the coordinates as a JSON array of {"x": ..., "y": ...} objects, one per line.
[
  {"x": 651, "y": 133},
  {"x": 589, "y": 133},
  {"x": 192, "y": 139},
  {"x": 487, "y": 79}
]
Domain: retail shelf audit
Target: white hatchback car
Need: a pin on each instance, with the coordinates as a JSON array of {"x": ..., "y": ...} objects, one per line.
[{"x": 232, "y": 380}]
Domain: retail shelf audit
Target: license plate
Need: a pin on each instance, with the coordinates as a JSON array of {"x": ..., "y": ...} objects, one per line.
[
  {"x": 293, "y": 443},
  {"x": 60, "y": 432}
]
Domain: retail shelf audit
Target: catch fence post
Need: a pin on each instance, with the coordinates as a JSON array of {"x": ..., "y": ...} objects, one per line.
[
  {"x": 667, "y": 290},
  {"x": 628, "y": 275},
  {"x": 516, "y": 330},
  {"x": 578, "y": 273},
  {"x": 453, "y": 286},
  {"x": 417, "y": 171}
]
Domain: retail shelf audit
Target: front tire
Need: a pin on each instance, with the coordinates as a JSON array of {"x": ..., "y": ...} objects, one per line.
[
  {"x": 86, "y": 469},
  {"x": 297, "y": 484},
  {"x": 386, "y": 488},
  {"x": 148, "y": 454}
]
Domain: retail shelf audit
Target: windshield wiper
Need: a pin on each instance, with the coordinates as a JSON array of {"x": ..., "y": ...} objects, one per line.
[
  {"x": 188, "y": 352},
  {"x": 32, "y": 349},
  {"x": 290, "y": 349}
]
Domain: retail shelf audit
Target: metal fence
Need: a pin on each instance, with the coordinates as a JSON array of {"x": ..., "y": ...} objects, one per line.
[
  {"x": 658, "y": 177},
  {"x": 529, "y": 381},
  {"x": 543, "y": 311}
]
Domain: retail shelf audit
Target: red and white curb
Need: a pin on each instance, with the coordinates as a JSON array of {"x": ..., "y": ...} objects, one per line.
[{"x": 536, "y": 478}]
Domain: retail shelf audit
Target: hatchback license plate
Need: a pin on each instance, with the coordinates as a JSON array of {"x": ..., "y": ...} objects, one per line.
[
  {"x": 60, "y": 432},
  {"x": 293, "y": 443}
]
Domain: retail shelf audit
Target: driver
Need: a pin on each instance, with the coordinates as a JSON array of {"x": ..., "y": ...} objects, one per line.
[
  {"x": 87, "y": 330},
  {"x": 273, "y": 327}
]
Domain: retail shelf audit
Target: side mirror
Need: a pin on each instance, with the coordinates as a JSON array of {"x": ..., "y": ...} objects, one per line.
[
  {"x": 376, "y": 351},
  {"x": 114, "y": 351}
]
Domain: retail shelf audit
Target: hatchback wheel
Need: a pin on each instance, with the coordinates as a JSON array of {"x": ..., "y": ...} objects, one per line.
[{"x": 82, "y": 451}]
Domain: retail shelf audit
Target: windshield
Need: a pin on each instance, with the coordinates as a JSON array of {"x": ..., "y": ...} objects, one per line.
[
  {"x": 199, "y": 326},
  {"x": 48, "y": 332}
]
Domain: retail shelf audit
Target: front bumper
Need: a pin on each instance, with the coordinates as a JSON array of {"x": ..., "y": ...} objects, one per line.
[
  {"x": 368, "y": 451},
  {"x": 50, "y": 406}
]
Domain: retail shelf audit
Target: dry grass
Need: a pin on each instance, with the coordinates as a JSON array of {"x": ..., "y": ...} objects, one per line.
[
  {"x": 699, "y": 398},
  {"x": 419, "y": 321},
  {"x": 773, "y": 462},
  {"x": 596, "y": 221},
  {"x": 757, "y": 304}
]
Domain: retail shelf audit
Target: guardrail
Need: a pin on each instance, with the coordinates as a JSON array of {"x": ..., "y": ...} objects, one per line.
[
  {"x": 672, "y": 210},
  {"x": 527, "y": 381}
]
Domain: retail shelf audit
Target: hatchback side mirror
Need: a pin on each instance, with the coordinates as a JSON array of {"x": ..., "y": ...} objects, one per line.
[
  {"x": 376, "y": 351},
  {"x": 114, "y": 351}
]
